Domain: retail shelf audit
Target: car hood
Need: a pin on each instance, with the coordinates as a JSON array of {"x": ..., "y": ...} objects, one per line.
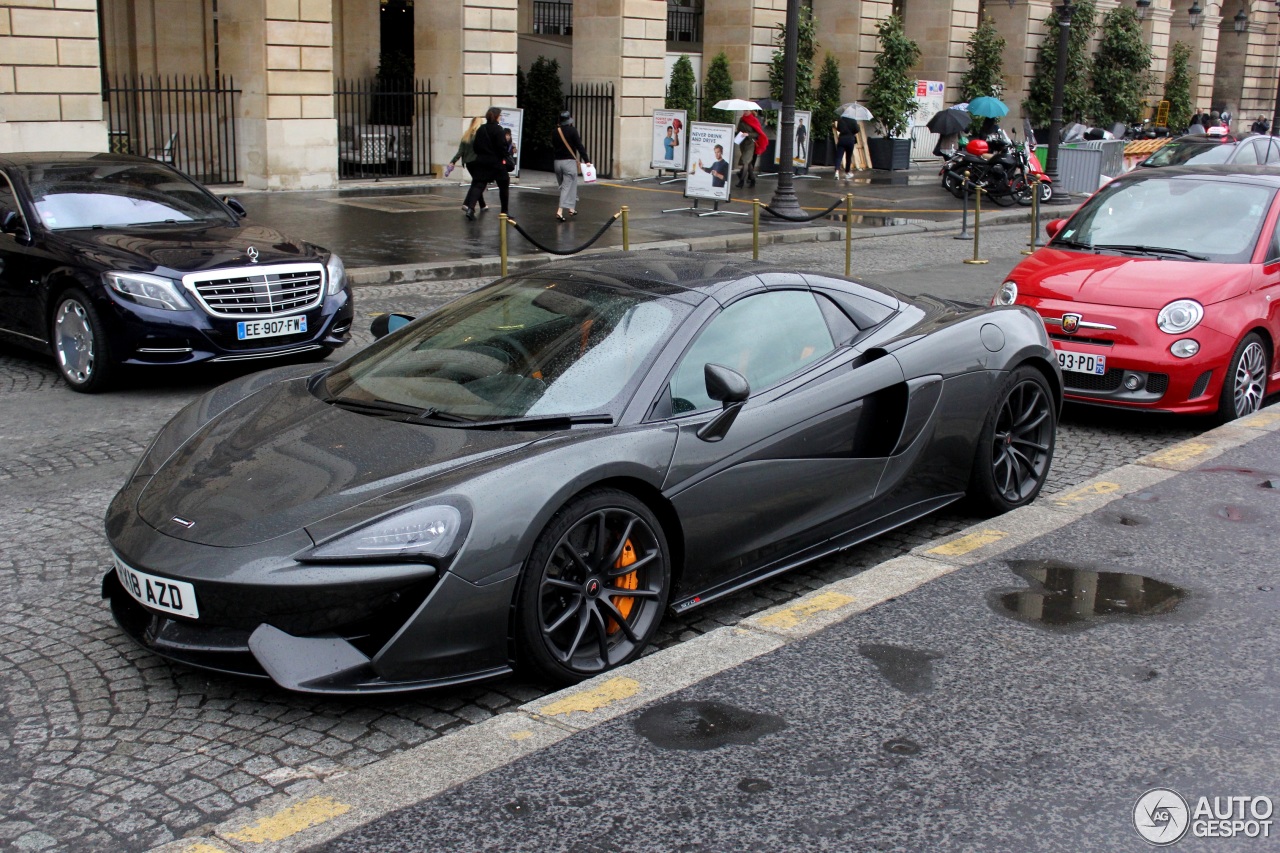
[
  {"x": 283, "y": 459},
  {"x": 1128, "y": 282},
  {"x": 178, "y": 250}
]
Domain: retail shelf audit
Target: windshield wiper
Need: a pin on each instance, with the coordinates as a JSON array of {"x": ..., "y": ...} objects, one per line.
[
  {"x": 544, "y": 421},
  {"x": 411, "y": 414},
  {"x": 1073, "y": 244},
  {"x": 1150, "y": 250}
]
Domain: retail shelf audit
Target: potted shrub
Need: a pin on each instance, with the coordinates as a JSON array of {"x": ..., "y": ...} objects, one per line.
[{"x": 891, "y": 95}]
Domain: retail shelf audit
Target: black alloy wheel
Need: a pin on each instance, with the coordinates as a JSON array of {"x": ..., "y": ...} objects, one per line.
[
  {"x": 953, "y": 184},
  {"x": 80, "y": 343},
  {"x": 594, "y": 587},
  {"x": 1245, "y": 385},
  {"x": 1015, "y": 449}
]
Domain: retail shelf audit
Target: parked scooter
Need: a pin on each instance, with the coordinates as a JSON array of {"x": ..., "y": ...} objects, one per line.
[{"x": 1002, "y": 168}]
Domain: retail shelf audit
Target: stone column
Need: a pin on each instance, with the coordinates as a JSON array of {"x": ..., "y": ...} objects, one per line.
[
  {"x": 1155, "y": 32},
  {"x": 839, "y": 25},
  {"x": 50, "y": 82},
  {"x": 744, "y": 30},
  {"x": 1023, "y": 31},
  {"x": 1203, "y": 41},
  {"x": 1258, "y": 95},
  {"x": 624, "y": 42},
  {"x": 942, "y": 29}
]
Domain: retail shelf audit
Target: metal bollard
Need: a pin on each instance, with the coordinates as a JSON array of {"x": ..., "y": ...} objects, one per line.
[
  {"x": 977, "y": 227},
  {"x": 755, "y": 229},
  {"x": 964, "y": 211},
  {"x": 502, "y": 240},
  {"x": 626, "y": 229},
  {"x": 848, "y": 233},
  {"x": 1035, "y": 216}
]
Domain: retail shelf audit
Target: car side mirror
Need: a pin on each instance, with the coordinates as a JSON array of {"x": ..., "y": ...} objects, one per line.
[
  {"x": 1053, "y": 226},
  {"x": 236, "y": 207},
  {"x": 11, "y": 223},
  {"x": 731, "y": 389},
  {"x": 385, "y": 324}
]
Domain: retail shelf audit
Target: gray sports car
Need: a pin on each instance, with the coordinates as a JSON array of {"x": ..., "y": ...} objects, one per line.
[{"x": 534, "y": 473}]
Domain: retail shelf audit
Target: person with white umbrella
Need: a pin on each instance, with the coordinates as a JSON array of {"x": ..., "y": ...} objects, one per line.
[{"x": 845, "y": 129}]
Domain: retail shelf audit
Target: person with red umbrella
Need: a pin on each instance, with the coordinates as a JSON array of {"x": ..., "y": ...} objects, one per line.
[{"x": 754, "y": 141}]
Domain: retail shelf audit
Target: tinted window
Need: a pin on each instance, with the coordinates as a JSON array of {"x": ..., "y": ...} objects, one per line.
[
  {"x": 765, "y": 337},
  {"x": 7, "y": 200},
  {"x": 1190, "y": 153},
  {"x": 1247, "y": 154},
  {"x": 115, "y": 195}
]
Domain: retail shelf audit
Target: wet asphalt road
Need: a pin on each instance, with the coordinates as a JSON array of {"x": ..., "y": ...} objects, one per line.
[{"x": 104, "y": 746}]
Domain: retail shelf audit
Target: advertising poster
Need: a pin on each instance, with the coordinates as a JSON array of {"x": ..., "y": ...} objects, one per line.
[
  {"x": 930, "y": 100},
  {"x": 670, "y": 128},
  {"x": 803, "y": 140},
  {"x": 710, "y": 147},
  {"x": 512, "y": 119}
]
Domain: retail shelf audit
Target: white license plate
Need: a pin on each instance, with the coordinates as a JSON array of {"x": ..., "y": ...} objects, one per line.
[
  {"x": 177, "y": 597},
  {"x": 1082, "y": 362},
  {"x": 246, "y": 329}
]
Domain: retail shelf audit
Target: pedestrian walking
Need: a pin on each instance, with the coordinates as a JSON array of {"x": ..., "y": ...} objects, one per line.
[
  {"x": 493, "y": 161},
  {"x": 466, "y": 153},
  {"x": 751, "y": 141},
  {"x": 846, "y": 130},
  {"x": 569, "y": 154}
]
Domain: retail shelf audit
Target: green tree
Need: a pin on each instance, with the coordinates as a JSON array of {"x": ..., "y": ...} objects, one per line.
[
  {"x": 1078, "y": 96},
  {"x": 891, "y": 95},
  {"x": 680, "y": 94},
  {"x": 717, "y": 86},
  {"x": 985, "y": 53},
  {"x": 826, "y": 98},
  {"x": 542, "y": 103},
  {"x": 1121, "y": 76},
  {"x": 806, "y": 49},
  {"x": 1177, "y": 89}
]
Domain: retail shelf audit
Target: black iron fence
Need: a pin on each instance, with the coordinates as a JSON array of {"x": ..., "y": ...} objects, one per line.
[
  {"x": 187, "y": 122},
  {"x": 684, "y": 24},
  {"x": 384, "y": 127},
  {"x": 553, "y": 17},
  {"x": 592, "y": 108}
]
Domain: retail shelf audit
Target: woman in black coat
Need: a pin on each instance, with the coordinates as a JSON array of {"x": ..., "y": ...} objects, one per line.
[{"x": 492, "y": 152}]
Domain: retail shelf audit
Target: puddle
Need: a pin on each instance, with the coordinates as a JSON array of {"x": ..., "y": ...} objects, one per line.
[
  {"x": 1232, "y": 513},
  {"x": 754, "y": 786},
  {"x": 1144, "y": 497},
  {"x": 909, "y": 670},
  {"x": 704, "y": 725},
  {"x": 1065, "y": 596},
  {"x": 1269, "y": 484},
  {"x": 901, "y": 746},
  {"x": 1125, "y": 520}
]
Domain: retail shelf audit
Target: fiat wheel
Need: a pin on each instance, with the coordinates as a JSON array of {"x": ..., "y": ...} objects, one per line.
[
  {"x": 594, "y": 587},
  {"x": 80, "y": 343},
  {"x": 1245, "y": 385},
  {"x": 1015, "y": 448}
]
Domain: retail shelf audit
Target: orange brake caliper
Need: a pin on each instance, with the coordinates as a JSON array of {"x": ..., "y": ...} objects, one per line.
[{"x": 631, "y": 580}]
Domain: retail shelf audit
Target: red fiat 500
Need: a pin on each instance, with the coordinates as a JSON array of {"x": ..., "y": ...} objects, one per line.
[{"x": 1162, "y": 291}]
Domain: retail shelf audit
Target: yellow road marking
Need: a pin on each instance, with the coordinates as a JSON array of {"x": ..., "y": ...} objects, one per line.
[
  {"x": 586, "y": 701},
  {"x": 294, "y": 819},
  {"x": 793, "y": 616},
  {"x": 965, "y": 544},
  {"x": 520, "y": 735},
  {"x": 747, "y": 201},
  {"x": 1103, "y": 488},
  {"x": 201, "y": 847},
  {"x": 1262, "y": 419},
  {"x": 1180, "y": 453}
]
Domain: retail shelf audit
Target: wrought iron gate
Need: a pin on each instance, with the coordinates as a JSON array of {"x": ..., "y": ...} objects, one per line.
[
  {"x": 187, "y": 122},
  {"x": 592, "y": 108},
  {"x": 384, "y": 127}
]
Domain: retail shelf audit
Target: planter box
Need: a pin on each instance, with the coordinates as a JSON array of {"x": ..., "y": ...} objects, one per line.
[{"x": 889, "y": 153}]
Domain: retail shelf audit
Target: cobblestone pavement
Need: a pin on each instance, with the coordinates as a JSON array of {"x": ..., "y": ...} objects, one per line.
[{"x": 106, "y": 747}]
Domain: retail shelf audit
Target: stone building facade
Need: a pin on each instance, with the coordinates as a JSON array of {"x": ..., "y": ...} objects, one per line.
[{"x": 285, "y": 56}]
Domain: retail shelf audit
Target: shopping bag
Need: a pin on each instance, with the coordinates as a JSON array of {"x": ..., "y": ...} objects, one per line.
[{"x": 588, "y": 173}]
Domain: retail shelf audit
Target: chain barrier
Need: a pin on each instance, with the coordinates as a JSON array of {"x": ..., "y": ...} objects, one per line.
[
  {"x": 773, "y": 212},
  {"x": 550, "y": 251}
]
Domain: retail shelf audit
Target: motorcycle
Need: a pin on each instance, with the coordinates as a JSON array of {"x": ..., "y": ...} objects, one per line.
[{"x": 1004, "y": 174}]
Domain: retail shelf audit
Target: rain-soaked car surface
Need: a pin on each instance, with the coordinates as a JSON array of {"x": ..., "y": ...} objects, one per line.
[
  {"x": 533, "y": 474},
  {"x": 110, "y": 260}
]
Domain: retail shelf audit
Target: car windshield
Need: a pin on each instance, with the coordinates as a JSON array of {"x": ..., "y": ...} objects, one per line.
[
  {"x": 1191, "y": 153},
  {"x": 118, "y": 195},
  {"x": 528, "y": 347},
  {"x": 1182, "y": 218}
]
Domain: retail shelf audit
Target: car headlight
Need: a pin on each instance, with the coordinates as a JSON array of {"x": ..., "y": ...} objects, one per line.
[
  {"x": 337, "y": 271},
  {"x": 1007, "y": 294},
  {"x": 429, "y": 531},
  {"x": 1180, "y": 316},
  {"x": 149, "y": 290}
]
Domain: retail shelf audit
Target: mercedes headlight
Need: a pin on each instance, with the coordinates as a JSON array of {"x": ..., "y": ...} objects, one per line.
[
  {"x": 149, "y": 290},
  {"x": 1180, "y": 316},
  {"x": 429, "y": 531},
  {"x": 1007, "y": 294},
  {"x": 337, "y": 272}
]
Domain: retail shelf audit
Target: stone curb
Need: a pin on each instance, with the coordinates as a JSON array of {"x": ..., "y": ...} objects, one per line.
[{"x": 287, "y": 823}]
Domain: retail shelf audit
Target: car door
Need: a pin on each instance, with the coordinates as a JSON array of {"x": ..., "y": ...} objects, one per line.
[
  {"x": 802, "y": 453},
  {"x": 21, "y": 269}
]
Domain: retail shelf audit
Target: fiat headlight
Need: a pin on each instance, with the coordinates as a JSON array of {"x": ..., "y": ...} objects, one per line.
[
  {"x": 1007, "y": 294},
  {"x": 429, "y": 531},
  {"x": 1180, "y": 316},
  {"x": 152, "y": 291},
  {"x": 337, "y": 272}
]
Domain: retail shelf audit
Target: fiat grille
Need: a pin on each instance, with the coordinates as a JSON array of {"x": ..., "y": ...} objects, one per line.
[{"x": 258, "y": 291}]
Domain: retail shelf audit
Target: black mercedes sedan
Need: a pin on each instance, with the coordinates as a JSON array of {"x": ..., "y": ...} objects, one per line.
[
  {"x": 109, "y": 260},
  {"x": 535, "y": 473}
]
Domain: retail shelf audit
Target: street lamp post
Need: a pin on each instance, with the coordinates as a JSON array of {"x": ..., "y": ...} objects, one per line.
[
  {"x": 1065, "y": 12},
  {"x": 784, "y": 195}
]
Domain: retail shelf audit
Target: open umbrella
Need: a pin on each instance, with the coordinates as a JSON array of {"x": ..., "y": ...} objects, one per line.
[
  {"x": 770, "y": 104},
  {"x": 856, "y": 111},
  {"x": 988, "y": 107},
  {"x": 738, "y": 104},
  {"x": 949, "y": 122},
  {"x": 964, "y": 106}
]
